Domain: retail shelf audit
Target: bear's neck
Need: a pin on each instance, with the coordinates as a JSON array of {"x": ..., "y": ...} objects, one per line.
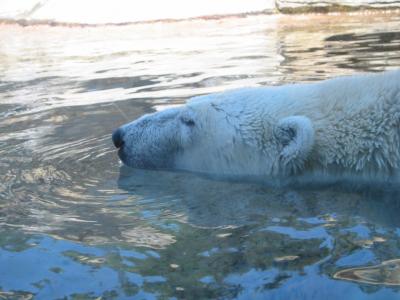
[{"x": 363, "y": 142}]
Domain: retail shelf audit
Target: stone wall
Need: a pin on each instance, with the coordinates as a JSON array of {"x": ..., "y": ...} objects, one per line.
[
  {"x": 128, "y": 11},
  {"x": 304, "y": 6}
]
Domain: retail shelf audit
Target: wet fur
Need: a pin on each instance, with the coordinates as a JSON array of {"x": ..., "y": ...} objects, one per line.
[{"x": 340, "y": 129}]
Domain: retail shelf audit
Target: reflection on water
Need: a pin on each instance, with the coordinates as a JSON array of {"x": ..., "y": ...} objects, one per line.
[
  {"x": 385, "y": 273},
  {"x": 75, "y": 224}
]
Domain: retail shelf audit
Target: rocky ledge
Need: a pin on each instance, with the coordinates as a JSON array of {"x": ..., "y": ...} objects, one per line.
[{"x": 306, "y": 6}]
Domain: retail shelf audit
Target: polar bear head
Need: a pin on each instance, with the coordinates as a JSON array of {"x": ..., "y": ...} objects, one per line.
[{"x": 220, "y": 134}]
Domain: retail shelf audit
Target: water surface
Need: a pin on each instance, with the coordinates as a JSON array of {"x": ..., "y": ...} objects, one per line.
[{"x": 77, "y": 225}]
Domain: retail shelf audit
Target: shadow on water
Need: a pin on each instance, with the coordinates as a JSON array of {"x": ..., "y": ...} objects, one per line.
[
  {"x": 216, "y": 203},
  {"x": 384, "y": 45}
]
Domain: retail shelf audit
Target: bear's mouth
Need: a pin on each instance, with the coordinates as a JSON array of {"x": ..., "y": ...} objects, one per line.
[
  {"x": 141, "y": 162},
  {"x": 122, "y": 156}
]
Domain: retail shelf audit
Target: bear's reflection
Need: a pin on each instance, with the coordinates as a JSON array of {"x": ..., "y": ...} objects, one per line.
[
  {"x": 335, "y": 225},
  {"x": 212, "y": 203}
]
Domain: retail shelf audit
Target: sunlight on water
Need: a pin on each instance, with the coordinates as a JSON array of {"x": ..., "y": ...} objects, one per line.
[{"x": 76, "y": 224}]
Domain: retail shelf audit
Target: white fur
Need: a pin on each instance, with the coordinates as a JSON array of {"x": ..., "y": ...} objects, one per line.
[{"x": 341, "y": 128}]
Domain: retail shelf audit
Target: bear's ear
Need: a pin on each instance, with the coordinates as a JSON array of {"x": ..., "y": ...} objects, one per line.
[{"x": 296, "y": 137}]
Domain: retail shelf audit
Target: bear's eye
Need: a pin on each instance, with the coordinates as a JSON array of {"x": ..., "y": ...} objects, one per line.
[{"x": 187, "y": 121}]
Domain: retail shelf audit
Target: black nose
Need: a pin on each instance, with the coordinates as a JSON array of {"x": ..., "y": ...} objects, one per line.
[{"x": 117, "y": 138}]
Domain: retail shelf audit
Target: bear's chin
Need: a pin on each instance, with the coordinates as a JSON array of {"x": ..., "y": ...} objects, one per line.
[{"x": 144, "y": 163}]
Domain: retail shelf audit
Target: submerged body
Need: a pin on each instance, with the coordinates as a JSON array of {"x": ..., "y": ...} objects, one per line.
[{"x": 343, "y": 128}]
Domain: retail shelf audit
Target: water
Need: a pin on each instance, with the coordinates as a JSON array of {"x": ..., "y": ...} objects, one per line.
[{"x": 77, "y": 225}]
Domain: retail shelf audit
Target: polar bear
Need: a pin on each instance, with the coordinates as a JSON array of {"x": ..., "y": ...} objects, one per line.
[{"x": 343, "y": 128}]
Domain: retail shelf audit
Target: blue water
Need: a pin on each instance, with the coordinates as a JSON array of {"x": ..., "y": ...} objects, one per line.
[{"x": 75, "y": 224}]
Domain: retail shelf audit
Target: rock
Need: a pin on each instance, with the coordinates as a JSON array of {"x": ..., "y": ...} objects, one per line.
[{"x": 305, "y": 6}]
